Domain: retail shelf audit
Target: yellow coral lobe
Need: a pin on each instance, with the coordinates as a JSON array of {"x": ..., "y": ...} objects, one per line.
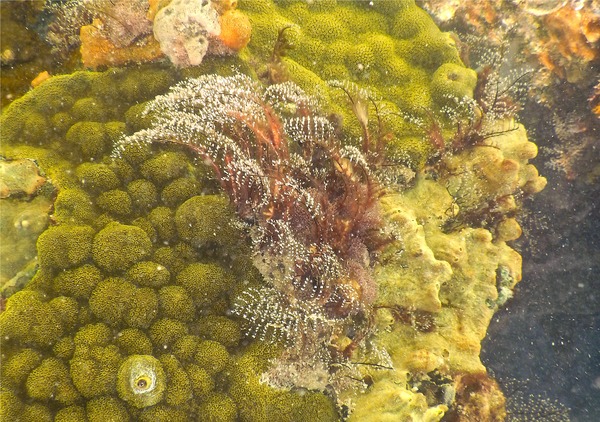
[
  {"x": 235, "y": 29},
  {"x": 508, "y": 230}
]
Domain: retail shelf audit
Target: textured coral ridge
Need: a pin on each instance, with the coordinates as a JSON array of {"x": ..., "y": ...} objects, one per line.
[
  {"x": 437, "y": 297},
  {"x": 126, "y": 318}
]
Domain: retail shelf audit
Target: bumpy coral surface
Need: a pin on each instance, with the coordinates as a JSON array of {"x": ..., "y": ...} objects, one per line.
[
  {"x": 129, "y": 314},
  {"x": 393, "y": 47},
  {"x": 127, "y": 317},
  {"x": 437, "y": 297}
]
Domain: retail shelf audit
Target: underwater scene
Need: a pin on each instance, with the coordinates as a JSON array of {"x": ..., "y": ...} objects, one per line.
[{"x": 300, "y": 210}]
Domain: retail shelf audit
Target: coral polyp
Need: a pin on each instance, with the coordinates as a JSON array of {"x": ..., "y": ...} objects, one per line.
[{"x": 141, "y": 381}]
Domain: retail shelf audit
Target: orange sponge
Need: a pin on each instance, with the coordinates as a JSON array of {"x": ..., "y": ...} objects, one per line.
[{"x": 235, "y": 29}]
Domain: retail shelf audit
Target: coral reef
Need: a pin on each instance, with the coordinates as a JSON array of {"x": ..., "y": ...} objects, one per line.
[
  {"x": 454, "y": 271},
  {"x": 308, "y": 204},
  {"x": 131, "y": 314},
  {"x": 125, "y": 319}
]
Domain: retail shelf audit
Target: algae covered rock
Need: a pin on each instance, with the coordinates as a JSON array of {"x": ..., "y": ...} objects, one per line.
[
  {"x": 485, "y": 180},
  {"x": 26, "y": 201},
  {"x": 19, "y": 177}
]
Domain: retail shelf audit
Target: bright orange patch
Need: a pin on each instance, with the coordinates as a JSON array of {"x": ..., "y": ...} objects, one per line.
[
  {"x": 41, "y": 77},
  {"x": 97, "y": 51},
  {"x": 235, "y": 29}
]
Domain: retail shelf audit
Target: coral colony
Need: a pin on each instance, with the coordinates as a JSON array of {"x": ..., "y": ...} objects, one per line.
[{"x": 308, "y": 203}]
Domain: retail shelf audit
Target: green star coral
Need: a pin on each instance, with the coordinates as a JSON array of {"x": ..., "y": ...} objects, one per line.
[
  {"x": 116, "y": 202},
  {"x": 176, "y": 303},
  {"x": 97, "y": 177},
  {"x": 202, "y": 220},
  {"x": 65, "y": 246},
  {"x": 219, "y": 328},
  {"x": 147, "y": 273},
  {"x": 143, "y": 194},
  {"x": 134, "y": 246},
  {"x": 74, "y": 205},
  {"x": 134, "y": 341},
  {"x": 29, "y": 320},
  {"x": 106, "y": 408},
  {"x": 393, "y": 47},
  {"x": 17, "y": 369},
  {"x": 51, "y": 381},
  {"x": 70, "y": 414},
  {"x": 204, "y": 282}
]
